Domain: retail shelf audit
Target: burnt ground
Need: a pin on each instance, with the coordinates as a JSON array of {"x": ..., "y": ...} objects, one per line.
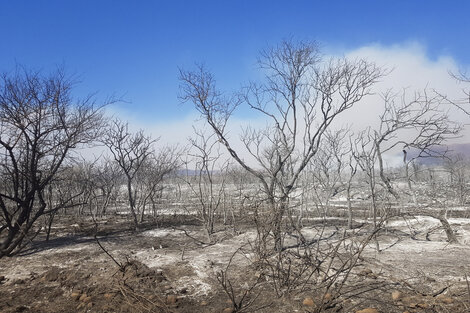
[{"x": 167, "y": 267}]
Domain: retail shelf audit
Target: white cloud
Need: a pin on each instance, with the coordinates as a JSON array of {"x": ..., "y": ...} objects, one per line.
[
  {"x": 411, "y": 69},
  {"x": 410, "y": 66}
]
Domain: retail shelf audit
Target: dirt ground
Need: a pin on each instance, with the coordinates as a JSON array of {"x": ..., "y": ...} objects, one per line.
[{"x": 162, "y": 269}]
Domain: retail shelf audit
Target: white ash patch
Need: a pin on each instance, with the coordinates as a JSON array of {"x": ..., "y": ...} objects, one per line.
[
  {"x": 204, "y": 265},
  {"x": 163, "y": 232}
]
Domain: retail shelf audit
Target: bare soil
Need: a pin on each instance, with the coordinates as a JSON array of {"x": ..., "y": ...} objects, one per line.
[{"x": 162, "y": 269}]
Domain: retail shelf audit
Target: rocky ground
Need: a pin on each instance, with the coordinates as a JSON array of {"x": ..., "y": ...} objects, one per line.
[{"x": 167, "y": 267}]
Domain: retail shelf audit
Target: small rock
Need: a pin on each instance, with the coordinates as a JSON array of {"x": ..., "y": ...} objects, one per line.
[
  {"x": 445, "y": 299},
  {"x": 422, "y": 305},
  {"x": 396, "y": 295},
  {"x": 365, "y": 272},
  {"x": 204, "y": 303},
  {"x": 228, "y": 310},
  {"x": 90, "y": 305},
  {"x": 328, "y": 296},
  {"x": 81, "y": 306},
  {"x": 84, "y": 298},
  {"x": 75, "y": 295},
  {"x": 87, "y": 300},
  {"x": 2, "y": 278},
  {"x": 372, "y": 275},
  {"x": 406, "y": 299},
  {"x": 18, "y": 282},
  {"x": 368, "y": 310},
  {"x": 52, "y": 275},
  {"x": 108, "y": 296},
  {"x": 171, "y": 299},
  {"x": 308, "y": 301},
  {"x": 33, "y": 275}
]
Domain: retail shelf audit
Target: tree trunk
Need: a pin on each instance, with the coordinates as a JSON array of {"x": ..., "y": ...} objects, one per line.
[
  {"x": 277, "y": 223},
  {"x": 350, "y": 213},
  {"x": 408, "y": 179},
  {"x": 442, "y": 217},
  {"x": 384, "y": 178},
  {"x": 451, "y": 237},
  {"x": 49, "y": 225},
  {"x": 132, "y": 203},
  {"x": 17, "y": 233}
]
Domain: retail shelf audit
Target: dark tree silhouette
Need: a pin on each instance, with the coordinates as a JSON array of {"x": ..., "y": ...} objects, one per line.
[{"x": 40, "y": 125}]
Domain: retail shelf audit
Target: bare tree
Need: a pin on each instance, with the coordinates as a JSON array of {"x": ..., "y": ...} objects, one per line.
[
  {"x": 327, "y": 168},
  {"x": 73, "y": 184},
  {"x": 418, "y": 124},
  {"x": 131, "y": 151},
  {"x": 143, "y": 168},
  {"x": 463, "y": 102},
  {"x": 244, "y": 188},
  {"x": 353, "y": 166},
  {"x": 41, "y": 124},
  {"x": 457, "y": 166},
  {"x": 107, "y": 179},
  {"x": 301, "y": 97},
  {"x": 148, "y": 182},
  {"x": 98, "y": 180},
  {"x": 365, "y": 155},
  {"x": 208, "y": 183}
]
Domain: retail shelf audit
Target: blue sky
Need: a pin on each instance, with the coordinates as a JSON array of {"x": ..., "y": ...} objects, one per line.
[{"x": 134, "y": 48}]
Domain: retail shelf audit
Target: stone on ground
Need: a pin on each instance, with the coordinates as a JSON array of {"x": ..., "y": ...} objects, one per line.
[
  {"x": 308, "y": 301},
  {"x": 368, "y": 310}
]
